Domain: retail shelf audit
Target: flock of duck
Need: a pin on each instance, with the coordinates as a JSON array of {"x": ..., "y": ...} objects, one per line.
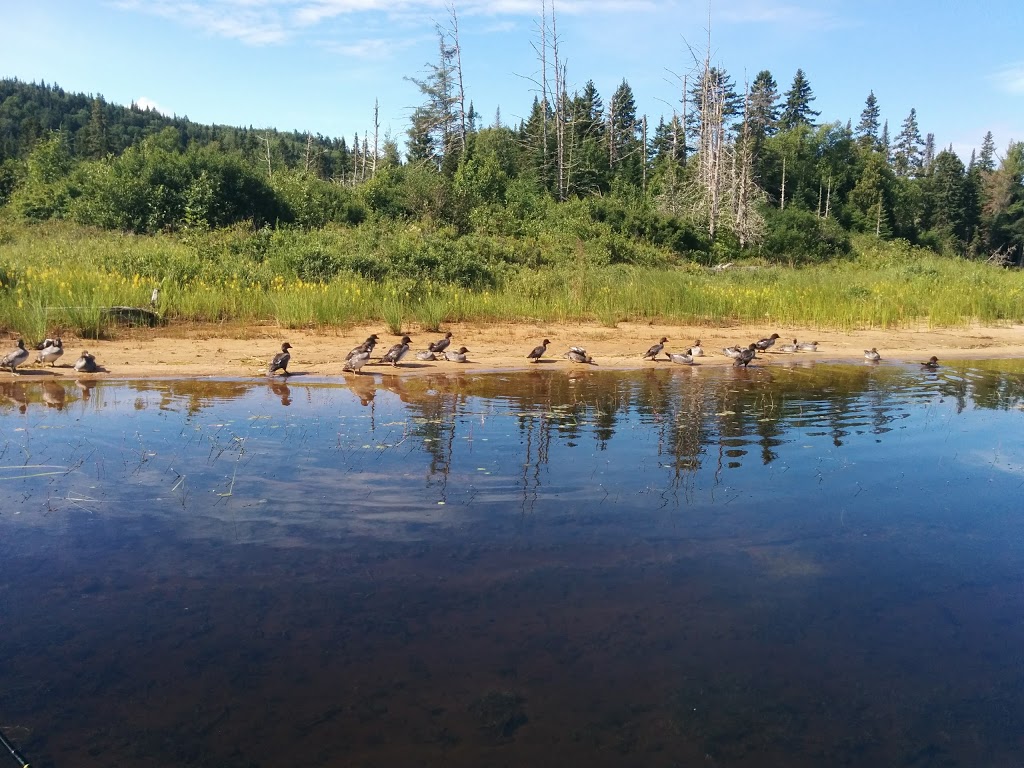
[
  {"x": 441, "y": 349},
  {"x": 51, "y": 350}
]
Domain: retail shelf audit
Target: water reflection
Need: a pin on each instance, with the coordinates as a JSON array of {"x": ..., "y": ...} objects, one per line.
[{"x": 789, "y": 566}]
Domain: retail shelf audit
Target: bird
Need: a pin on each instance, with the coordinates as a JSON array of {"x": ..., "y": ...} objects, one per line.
[
  {"x": 280, "y": 361},
  {"x": 733, "y": 351},
  {"x": 397, "y": 352},
  {"x": 537, "y": 352},
  {"x": 50, "y": 351},
  {"x": 931, "y": 364},
  {"x": 872, "y": 355},
  {"x": 790, "y": 347},
  {"x": 441, "y": 344},
  {"x": 763, "y": 344},
  {"x": 86, "y": 363},
  {"x": 456, "y": 356},
  {"x": 15, "y": 357},
  {"x": 684, "y": 359},
  {"x": 807, "y": 346},
  {"x": 654, "y": 351},
  {"x": 746, "y": 355},
  {"x": 697, "y": 350},
  {"x": 366, "y": 346},
  {"x": 356, "y": 359},
  {"x": 579, "y": 355},
  {"x": 425, "y": 354},
  {"x": 154, "y": 298}
]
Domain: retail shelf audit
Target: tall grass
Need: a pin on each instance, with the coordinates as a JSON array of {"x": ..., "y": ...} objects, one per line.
[{"x": 57, "y": 278}]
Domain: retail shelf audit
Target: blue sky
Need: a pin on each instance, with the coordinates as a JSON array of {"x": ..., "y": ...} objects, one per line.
[{"x": 318, "y": 65}]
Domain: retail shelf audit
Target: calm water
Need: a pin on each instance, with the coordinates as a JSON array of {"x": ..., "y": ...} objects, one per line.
[{"x": 808, "y": 566}]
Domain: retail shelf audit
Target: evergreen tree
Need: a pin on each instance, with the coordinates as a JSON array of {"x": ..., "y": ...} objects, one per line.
[
  {"x": 867, "y": 128},
  {"x": 762, "y": 107},
  {"x": 796, "y": 109},
  {"x": 906, "y": 159},
  {"x": 947, "y": 200},
  {"x": 884, "y": 145},
  {"x": 987, "y": 161},
  {"x": 928, "y": 156},
  {"x": 626, "y": 155}
]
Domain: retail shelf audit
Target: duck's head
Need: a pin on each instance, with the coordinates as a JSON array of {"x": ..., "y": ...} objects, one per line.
[
  {"x": 663, "y": 340},
  {"x": 696, "y": 343},
  {"x": 406, "y": 340},
  {"x": 285, "y": 347},
  {"x": 546, "y": 342},
  {"x": 463, "y": 350},
  {"x": 774, "y": 336},
  {"x": 448, "y": 335}
]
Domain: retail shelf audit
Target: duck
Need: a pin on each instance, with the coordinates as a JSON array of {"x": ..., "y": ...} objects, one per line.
[
  {"x": 931, "y": 364},
  {"x": 15, "y": 357},
  {"x": 746, "y": 355},
  {"x": 426, "y": 354},
  {"x": 441, "y": 344},
  {"x": 807, "y": 346},
  {"x": 654, "y": 351},
  {"x": 356, "y": 360},
  {"x": 790, "y": 347},
  {"x": 579, "y": 355},
  {"x": 872, "y": 355},
  {"x": 763, "y": 344},
  {"x": 456, "y": 356},
  {"x": 683, "y": 359},
  {"x": 281, "y": 359},
  {"x": 397, "y": 352},
  {"x": 366, "y": 346},
  {"x": 537, "y": 352},
  {"x": 86, "y": 363},
  {"x": 697, "y": 350},
  {"x": 733, "y": 351},
  {"x": 50, "y": 351}
]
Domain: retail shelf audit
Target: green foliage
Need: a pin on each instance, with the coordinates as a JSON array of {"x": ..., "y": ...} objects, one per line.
[{"x": 799, "y": 237}]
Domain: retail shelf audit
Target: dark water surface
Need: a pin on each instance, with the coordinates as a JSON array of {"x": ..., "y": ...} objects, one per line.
[{"x": 810, "y": 566}]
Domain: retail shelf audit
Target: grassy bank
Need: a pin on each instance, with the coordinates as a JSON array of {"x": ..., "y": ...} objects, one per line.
[{"x": 58, "y": 277}]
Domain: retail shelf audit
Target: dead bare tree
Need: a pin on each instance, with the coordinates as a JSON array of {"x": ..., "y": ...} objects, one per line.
[{"x": 265, "y": 138}]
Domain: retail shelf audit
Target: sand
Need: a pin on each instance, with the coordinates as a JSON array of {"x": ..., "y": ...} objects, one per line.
[{"x": 195, "y": 351}]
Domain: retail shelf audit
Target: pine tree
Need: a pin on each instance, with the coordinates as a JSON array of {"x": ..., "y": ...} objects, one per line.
[
  {"x": 928, "y": 156},
  {"x": 883, "y": 142},
  {"x": 867, "y": 128},
  {"x": 796, "y": 109},
  {"x": 987, "y": 161},
  {"x": 763, "y": 107},
  {"x": 624, "y": 150}
]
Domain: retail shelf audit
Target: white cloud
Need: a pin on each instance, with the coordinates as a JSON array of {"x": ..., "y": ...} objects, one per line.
[
  {"x": 268, "y": 22},
  {"x": 780, "y": 14},
  {"x": 374, "y": 49},
  {"x": 1010, "y": 78},
  {"x": 144, "y": 102}
]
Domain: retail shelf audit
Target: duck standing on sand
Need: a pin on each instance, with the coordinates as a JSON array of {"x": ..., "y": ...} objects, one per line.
[
  {"x": 366, "y": 346},
  {"x": 50, "y": 351},
  {"x": 579, "y": 355},
  {"x": 441, "y": 344},
  {"x": 356, "y": 359},
  {"x": 653, "y": 352},
  {"x": 932, "y": 364},
  {"x": 15, "y": 357},
  {"x": 456, "y": 356},
  {"x": 746, "y": 355},
  {"x": 684, "y": 359},
  {"x": 281, "y": 360},
  {"x": 397, "y": 352},
  {"x": 697, "y": 350},
  {"x": 86, "y": 363},
  {"x": 763, "y": 344},
  {"x": 872, "y": 355},
  {"x": 537, "y": 352}
]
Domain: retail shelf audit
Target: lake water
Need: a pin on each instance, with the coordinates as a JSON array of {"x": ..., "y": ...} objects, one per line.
[{"x": 818, "y": 565}]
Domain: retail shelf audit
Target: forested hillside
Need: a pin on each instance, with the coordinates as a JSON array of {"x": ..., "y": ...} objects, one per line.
[{"x": 733, "y": 173}]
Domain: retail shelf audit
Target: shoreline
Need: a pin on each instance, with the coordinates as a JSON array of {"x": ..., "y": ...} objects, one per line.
[{"x": 215, "y": 351}]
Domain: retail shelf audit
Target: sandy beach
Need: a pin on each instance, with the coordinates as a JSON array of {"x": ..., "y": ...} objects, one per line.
[{"x": 193, "y": 351}]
